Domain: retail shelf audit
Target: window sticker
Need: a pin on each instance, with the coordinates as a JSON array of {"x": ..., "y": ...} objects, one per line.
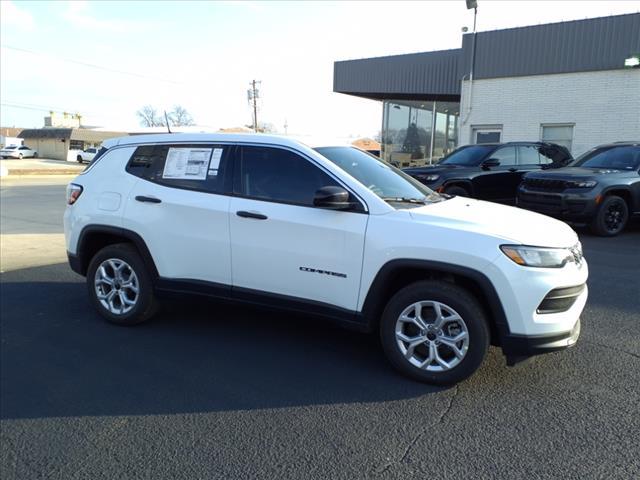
[
  {"x": 187, "y": 163},
  {"x": 215, "y": 161}
]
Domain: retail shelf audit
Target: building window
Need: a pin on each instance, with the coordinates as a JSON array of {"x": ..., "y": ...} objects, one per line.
[
  {"x": 486, "y": 134},
  {"x": 76, "y": 145},
  {"x": 407, "y": 137},
  {"x": 561, "y": 134}
]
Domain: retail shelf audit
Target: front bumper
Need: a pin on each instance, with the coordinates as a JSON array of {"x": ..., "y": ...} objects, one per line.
[
  {"x": 572, "y": 207},
  {"x": 519, "y": 347}
]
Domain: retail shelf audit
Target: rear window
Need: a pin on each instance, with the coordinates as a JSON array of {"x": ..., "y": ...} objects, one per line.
[{"x": 191, "y": 167}]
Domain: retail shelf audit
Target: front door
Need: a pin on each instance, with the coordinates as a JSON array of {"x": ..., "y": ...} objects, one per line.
[
  {"x": 284, "y": 246},
  {"x": 499, "y": 183}
]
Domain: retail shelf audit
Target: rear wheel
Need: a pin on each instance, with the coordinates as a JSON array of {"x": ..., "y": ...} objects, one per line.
[
  {"x": 20, "y": 156},
  {"x": 120, "y": 286},
  {"x": 611, "y": 218},
  {"x": 458, "y": 191},
  {"x": 79, "y": 158},
  {"x": 434, "y": 332}
]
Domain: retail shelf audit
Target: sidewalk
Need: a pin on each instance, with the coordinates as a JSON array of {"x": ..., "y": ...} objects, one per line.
[{"x": 38, "y": 166}]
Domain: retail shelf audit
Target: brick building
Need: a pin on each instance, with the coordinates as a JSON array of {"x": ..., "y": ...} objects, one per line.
[{"x": 576, "y": 83}]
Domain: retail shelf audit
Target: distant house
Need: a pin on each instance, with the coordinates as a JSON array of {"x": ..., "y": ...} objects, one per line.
[
  {"x": 56, "y": 143},
  {"x": 9, "y": 136},
  {"x": 368, "y": 144}
]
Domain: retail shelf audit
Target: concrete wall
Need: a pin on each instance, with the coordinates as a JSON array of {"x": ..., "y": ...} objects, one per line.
[
  {"x": 604, "y": 106},
  {"x": 52, "y": 148}
]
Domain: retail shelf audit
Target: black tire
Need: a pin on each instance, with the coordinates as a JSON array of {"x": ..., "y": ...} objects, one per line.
[
  {"x": 611, "y": 218},
  {"x": 79, "y": 159},
  {"x": 20, "y": 156},
  {"x": 146, "y": 304},
  {"x": 35, "y": 154},
  {"x": 458, "y": 191},
  {"x": 451, "y": 296}
]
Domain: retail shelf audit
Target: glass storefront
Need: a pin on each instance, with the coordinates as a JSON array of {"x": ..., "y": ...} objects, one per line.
[{"x": 408, "y": 128}]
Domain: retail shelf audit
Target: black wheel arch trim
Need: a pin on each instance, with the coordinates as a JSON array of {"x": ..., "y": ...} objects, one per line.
[
  {"x": 459, "y": 182},
  {"x": 81, "y": 262},
  {"x": 373, "y": 303}
]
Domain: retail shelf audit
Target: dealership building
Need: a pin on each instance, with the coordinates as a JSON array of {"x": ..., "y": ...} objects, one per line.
[{"x": 575, "y": 83}]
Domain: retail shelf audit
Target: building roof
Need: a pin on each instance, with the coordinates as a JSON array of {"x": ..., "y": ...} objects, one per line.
[
  {"x": 564, "y": 47},
  {"x": 427, "y": 76},
  {"x": 573, "y": 46},
  {"x": 32, "y": 133},
  {"x": 81, "y": 134},
  {"x": 10, "y": 131}
]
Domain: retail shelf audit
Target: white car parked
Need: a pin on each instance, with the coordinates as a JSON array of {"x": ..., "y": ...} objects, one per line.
[
  {"x": 17, "y": 151},
  {"x": 331, "y": 232},
  {"x": 86, "y": 155}
]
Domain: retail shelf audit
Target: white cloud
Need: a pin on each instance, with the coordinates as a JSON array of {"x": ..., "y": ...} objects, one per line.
[
  {"x": 11, "y": 15},
  {"x": 78, "y": 15}
]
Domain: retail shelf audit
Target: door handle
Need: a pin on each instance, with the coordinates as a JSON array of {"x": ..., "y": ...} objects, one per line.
[
  {"x": 513, "y": 169},
  {"x": 142, "y": 198},
  {"x": 257, "y": 216}
]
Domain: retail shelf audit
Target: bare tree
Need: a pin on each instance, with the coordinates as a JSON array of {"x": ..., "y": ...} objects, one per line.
[
  {"x": 180, "y": 117},
  {"x": 149, "y": 117}
]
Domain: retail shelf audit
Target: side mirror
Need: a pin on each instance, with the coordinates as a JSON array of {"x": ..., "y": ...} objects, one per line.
[
  {"x": 492, "y": 162},
  {"x": 333, "y": 198}
]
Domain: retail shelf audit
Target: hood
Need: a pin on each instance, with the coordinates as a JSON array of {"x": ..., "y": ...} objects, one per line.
[
  {"x": 511, "y": 224},
  {"x": 576, "y": 173}
]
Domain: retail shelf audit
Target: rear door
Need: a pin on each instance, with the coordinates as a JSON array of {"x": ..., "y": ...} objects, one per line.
[
  {"x": 284, "y": 246},
  {"x": 180, "y": 209}
]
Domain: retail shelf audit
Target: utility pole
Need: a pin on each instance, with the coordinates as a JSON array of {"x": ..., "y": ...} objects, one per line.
[{"x": 253, "y": 94}]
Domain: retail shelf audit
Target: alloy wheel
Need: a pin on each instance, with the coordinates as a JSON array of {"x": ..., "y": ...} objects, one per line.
[
  {"x": 116, "y": 286},
  {"x": 614, "y": 217},
  {"x": 432, "y": 336}
]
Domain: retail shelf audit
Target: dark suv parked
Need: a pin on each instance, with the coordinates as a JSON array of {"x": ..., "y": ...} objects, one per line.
[
  {"x": 601, "y": 189},
  {"x": 490, "y": 171}
]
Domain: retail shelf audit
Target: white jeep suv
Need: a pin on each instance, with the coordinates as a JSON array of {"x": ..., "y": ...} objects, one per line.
[{"x": 331, "y": 232}]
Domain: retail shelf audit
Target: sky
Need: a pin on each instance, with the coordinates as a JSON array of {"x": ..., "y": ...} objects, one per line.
[{"x": 107, "y": 59}]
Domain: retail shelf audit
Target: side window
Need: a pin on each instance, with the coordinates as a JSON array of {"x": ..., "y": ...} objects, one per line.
[
  {"x": 506, "y": 156},
  {"x": 549, "y": 155},
  {"x": 528, "y": 155},
  {"x": 191, "y": 167},
  {"x": 278, "y": 175}
]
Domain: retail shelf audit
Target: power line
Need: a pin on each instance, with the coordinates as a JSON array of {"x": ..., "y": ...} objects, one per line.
[
  {"x": 90, "y": 65},
  {"x": 43, "y": 108}
]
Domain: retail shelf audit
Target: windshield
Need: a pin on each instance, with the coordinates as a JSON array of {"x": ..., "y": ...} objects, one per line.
[
  {"x": 616, "y": 158},
  {"x": 469, "y": 155},
  {"x": 383, "y": 179}
]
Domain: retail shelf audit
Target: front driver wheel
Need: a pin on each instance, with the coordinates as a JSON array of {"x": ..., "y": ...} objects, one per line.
[
  {"x": 120, "y": 287},
  {"x": 611, "y": 218},
  {"x": 434, "y": 332},
  {"x": 458, "y": 191}
]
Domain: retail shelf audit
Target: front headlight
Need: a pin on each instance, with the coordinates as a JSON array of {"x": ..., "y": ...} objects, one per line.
[
  {"x": 587, "y": 184},
  {"x": 538, "y": 256},
  {"x": 429, "y": 178}
]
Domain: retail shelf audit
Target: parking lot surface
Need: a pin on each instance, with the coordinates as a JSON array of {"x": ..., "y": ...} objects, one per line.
[{"x": 219, "y": 391}]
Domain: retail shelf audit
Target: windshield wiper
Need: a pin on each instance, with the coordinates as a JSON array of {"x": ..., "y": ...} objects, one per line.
[{"x": 421, "y": 201}]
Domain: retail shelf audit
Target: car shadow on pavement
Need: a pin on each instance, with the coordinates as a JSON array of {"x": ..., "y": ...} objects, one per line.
[{"x": 59, "y": 358}]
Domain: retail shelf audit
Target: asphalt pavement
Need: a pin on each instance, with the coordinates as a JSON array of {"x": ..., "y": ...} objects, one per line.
[{"x": 216, "y": 391}]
